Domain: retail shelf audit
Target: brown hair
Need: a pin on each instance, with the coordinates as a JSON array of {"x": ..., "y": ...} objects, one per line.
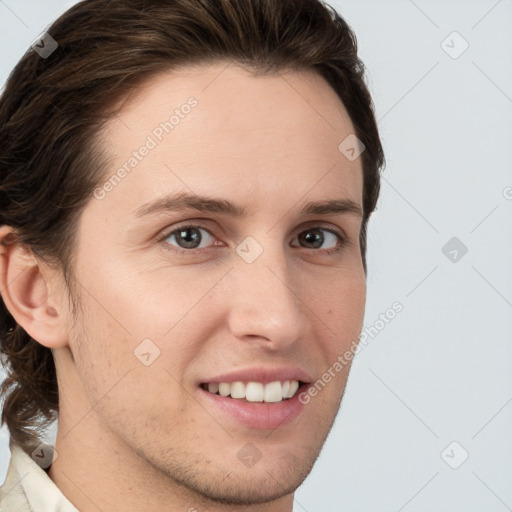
[{"x": 52, "y": 108}]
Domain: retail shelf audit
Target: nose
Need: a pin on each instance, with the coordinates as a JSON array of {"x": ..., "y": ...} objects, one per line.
[{"x": 266, "y": 305}]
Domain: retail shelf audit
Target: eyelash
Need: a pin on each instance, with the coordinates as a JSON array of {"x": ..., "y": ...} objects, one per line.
[{"x": 343, "y": 240}]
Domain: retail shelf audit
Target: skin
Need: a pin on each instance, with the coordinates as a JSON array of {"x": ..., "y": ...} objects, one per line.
[{"x": 133, "y": 437}]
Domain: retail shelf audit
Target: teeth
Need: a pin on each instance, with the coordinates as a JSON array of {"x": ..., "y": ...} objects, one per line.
[
  {"x": 256, "y": 391},
  {"x": 273, "y": 392},
  {"x": 224, "y": 389},
  {"x": 238, "y": 390},
  {"x": 294, "y": 385},
  {"x": 286, "y": 388}
]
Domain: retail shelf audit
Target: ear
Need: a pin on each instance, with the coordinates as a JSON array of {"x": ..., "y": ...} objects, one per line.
[{"x": 24, "y": 288}]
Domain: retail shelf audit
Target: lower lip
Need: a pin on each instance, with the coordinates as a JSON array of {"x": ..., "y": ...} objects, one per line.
[{"x": 259, "y": 415}]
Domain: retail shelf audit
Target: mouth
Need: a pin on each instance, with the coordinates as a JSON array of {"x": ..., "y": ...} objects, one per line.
[
  {"x": 253, "y": 391},
  {"x": 255, "y": 404}
]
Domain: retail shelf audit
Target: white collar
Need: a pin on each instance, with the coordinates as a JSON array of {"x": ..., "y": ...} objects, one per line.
[{"x": 29, "y": 485}]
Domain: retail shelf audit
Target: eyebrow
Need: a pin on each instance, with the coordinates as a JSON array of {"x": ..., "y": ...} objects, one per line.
[{"x": 186, "y": 201}]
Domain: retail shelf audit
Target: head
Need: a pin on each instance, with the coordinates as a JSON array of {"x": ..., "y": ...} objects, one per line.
[{"x": 115, "y": 299}]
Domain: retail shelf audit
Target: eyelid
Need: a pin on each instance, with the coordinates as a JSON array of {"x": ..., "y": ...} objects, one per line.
[
  {"x": 186, "y": 224},
  {"x": 205, "y": 223}
]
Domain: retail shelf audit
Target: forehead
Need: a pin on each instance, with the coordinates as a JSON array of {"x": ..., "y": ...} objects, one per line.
[{"x": 218, "y": 129}]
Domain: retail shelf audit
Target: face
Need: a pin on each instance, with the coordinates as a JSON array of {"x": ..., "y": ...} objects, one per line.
[{"x": 187, "y": 302}]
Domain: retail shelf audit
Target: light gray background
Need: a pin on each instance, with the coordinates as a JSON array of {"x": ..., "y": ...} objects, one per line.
[{"x": 440, "y": 371}]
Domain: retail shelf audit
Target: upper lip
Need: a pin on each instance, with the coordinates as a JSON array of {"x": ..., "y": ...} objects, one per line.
[{"x": 262, "y": 374}]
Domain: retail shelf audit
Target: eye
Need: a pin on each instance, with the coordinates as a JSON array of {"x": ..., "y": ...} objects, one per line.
[
  {"x": 189, "y": 239},
  {"x": 313, "y": 236}
]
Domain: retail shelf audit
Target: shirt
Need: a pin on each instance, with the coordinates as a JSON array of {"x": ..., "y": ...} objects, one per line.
[{"x": 28, "y": 488}]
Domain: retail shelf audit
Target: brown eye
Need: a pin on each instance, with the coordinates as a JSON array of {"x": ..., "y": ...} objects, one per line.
[{"x": 314, "y": 238}]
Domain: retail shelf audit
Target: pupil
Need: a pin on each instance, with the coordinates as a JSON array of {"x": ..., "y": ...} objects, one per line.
[
  {"x": 189, "y": 240},
  {"x": 314, "y": 237}
]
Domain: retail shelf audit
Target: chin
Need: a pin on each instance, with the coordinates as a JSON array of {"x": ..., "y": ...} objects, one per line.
[
  {"x": 248, "y": 488},
  {"x": 237, "y": 485}
]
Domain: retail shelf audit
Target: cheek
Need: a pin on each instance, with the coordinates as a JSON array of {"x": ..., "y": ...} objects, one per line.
[
  {"x": 137, "y": 320},
  {"x": 149, "y": 300},
  {"x": 342, "y": 309},
  {"x": 125, "y": 378},
  {"x": 341, "y": 302},
  {"x": 101, "y": 349}
]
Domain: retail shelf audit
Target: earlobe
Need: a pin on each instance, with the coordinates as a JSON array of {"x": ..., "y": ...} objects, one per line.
[{"x": 26, "y": 294}]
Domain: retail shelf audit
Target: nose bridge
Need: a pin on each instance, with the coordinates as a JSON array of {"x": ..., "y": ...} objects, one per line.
[{"x": 265, "y": 301}]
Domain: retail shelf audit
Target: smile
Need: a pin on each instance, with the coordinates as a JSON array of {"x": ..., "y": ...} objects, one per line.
[{"x": 252, "y": 391}]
